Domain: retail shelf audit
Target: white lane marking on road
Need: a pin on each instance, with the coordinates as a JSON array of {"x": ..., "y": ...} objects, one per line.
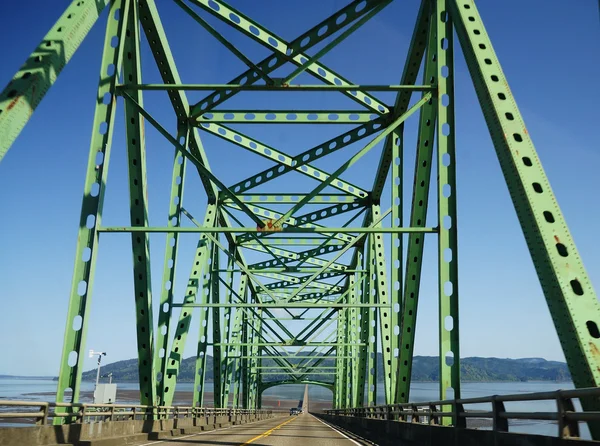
[{"x": 333, "y": 428}]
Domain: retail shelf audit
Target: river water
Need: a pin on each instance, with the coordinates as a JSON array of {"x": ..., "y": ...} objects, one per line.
[{"x": 37, "y": 390}]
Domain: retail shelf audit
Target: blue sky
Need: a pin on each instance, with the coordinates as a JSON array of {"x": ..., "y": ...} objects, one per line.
[{"x": 547, "y": 52}]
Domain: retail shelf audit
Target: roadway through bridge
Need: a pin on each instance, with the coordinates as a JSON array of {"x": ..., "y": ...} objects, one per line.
[
  {"x": 304, "y": 429},
  {"x": 297, "y": 430}
]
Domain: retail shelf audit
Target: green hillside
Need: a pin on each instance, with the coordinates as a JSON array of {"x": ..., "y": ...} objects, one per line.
[{"x": 425, "y": 368}]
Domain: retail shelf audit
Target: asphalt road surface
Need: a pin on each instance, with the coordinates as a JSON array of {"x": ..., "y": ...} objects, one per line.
[{"x": 296, "y": 430}]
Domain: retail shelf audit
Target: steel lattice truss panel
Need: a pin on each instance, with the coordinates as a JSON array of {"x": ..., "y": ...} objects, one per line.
[{"x": 305, "y": 263}]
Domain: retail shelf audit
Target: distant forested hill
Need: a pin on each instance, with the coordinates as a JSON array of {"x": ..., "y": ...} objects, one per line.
[{"x": 425, "y": 368}]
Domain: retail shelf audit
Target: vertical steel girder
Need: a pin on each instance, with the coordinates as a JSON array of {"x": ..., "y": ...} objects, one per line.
[
  {"x": 397, "y": 253},
  {"x": 227, "y": 324},
  {"x": 136, "y": 151},
  {"x": 253, "y": 371},
  {"x": 447, "y": 217},
  {"x": 234, "y": 351},
  {"x": 571, "y": 298},
  {"x": 340, "y": 372},
  {"x": 193, "y": 293},
  {"x": 216, "y": 330},
  {"x": 385, "y": 312},
  {"x": 363, "y": 327},
  {"x": 165, "y": 310},
  {"x": 352, "y": 347},
  {"x": 69, "y": 377},
  {"x": 200, "y": 365},
  {"x": 371, "y": 321},
  {"x": 418, "y": 216},
  {"x": 242, "y": 337}
]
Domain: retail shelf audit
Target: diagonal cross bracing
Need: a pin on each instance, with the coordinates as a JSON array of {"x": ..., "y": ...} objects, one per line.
[{"x": 321, "y": 294}]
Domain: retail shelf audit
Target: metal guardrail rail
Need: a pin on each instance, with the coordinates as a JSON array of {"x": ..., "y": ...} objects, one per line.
[
  {"x": 82, "y": 413},
  {"x": 432, "y": 412}
]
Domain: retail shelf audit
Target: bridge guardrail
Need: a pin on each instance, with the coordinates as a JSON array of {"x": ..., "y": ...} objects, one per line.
[
  {"x": 432, "y": 412},
  {"x": 81, "y": 412}
]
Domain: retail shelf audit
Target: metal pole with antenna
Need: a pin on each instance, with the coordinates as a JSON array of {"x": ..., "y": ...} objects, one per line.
[{"x": 100, "y": 354}]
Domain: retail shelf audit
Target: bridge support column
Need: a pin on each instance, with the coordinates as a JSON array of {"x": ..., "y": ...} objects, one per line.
[
  {"x": 73, "y": 354},
  {"x": 447, "y": 215}
]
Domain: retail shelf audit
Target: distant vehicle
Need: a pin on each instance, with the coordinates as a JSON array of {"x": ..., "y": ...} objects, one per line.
[{"x": 294, "y": 411}]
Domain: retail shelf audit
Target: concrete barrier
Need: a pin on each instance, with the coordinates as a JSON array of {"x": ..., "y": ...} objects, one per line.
[
  {"x": 388, "y": 433},
  {"x": 115, "y": 433}
]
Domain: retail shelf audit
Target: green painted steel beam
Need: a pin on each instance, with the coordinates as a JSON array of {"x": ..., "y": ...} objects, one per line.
[
  {"x": 292, "y": 198},
  {"x": 409, "y": 76},
  {"x": 361, "y": 372},
  {"x": 308, "y": 220},
  {"x": 256, "y": 147},
  {"x": 302, "y": 279},
  {"x": 351, "y": 322},
  {"x": 238, "y": 260},
  {"x": 235, "y": 337},
  {"x": 165, "y": 309},
  {"x": 73, "y": 352},
  {"x": 303, "y": 368},
  {"x": 191, "y": 157},
  {"x": 335, "y": 175},
  {"x": 215, "y": 294},
  {"x": 222, "y": 40},
  {"x": 340, "y": 365},
  {"x": 568, "y": 290},
  {"x": 334, "y": 258},
  {"x": 193, "y": 293},
  {"x": 161, "y": 52},
  {"x": 202, "y": 341},
  {"x": 267, "y": 385},
  {"x": 289, "y": 280},
  {"x": 448, "y": 292},
  {"x": 262, "y": 87},
  {"x": 297, "y": 344},
  {"x": 290, "y": 256},
  {"x": 300, "y": 357},
  {"x": 291, "y": 242},
  {"x": 418, "y": 217},
  {"x": 280, "y": 48},
  {"x": 163, "y": 57},
  {"x": 397, "y": 260},
  {"x": 287, "y": 117},
  {"x": 319, "y": 151},
  {"x": 372, "y": 322},
  {"x": 138, "y": 210},
  {"x": 321, "y": 230},
  {"x": 322, "y": 304},
  {"x": 325, "y": 318},
  {"x": 296, "y": 272},
  {"x": 382, "y": 295},
  {"x": 29, "y": 85},
  {"x": 334, "y": 42}
]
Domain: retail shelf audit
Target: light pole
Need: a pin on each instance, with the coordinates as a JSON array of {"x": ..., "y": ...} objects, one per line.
[{"x": 100, "y": 354}]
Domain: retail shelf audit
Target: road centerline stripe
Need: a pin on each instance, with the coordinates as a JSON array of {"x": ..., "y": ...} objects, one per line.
[{"x": 267, "y": 433}]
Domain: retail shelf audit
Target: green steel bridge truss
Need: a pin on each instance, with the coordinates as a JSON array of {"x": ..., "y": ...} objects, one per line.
[{"x": 336, "y": 280}]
